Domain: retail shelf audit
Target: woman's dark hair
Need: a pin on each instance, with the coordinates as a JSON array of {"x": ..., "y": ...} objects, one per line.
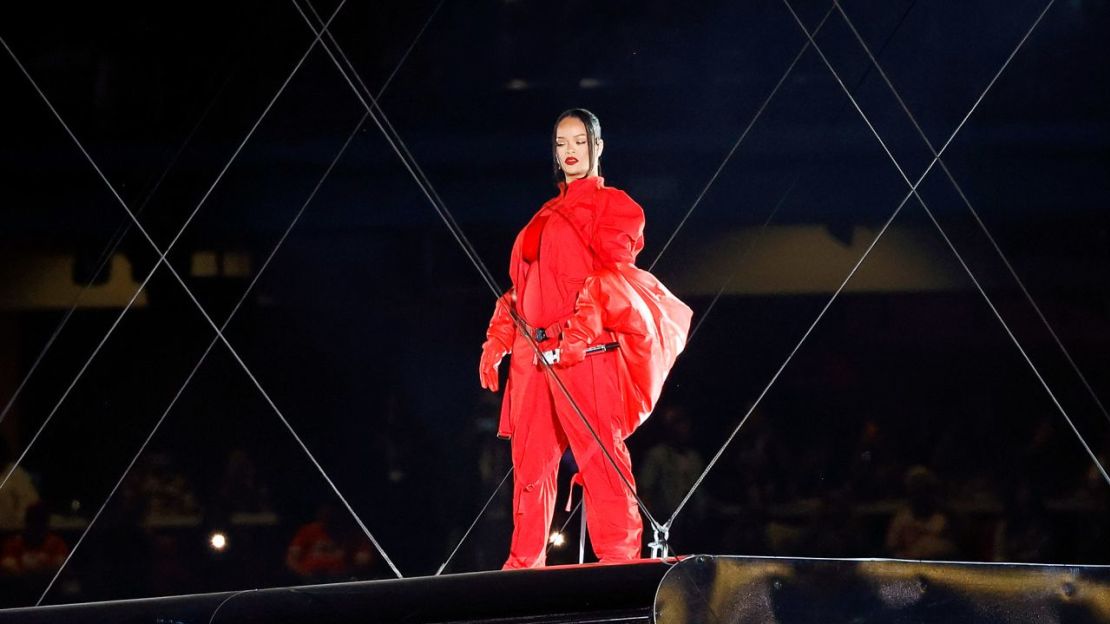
[{"x": 593, "y": 135}]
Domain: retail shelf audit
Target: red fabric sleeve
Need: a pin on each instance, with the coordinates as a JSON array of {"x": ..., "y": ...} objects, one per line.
[
  {"x": 619, "y": 230},
  {"x": 501, "y": 326},
  {"x": 649, "y": 322},
  {"x": 587, "y": 323},
  {"x": 617, "y": 240}
]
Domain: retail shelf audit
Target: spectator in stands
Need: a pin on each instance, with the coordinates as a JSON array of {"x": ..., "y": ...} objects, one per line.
[
  {"x": 920, "y": 529},
  {"x": 874, "y": 474},
  {"x": 18, "y": 494},
  {"x": 669, "y": 470},
  {"x": 671, "y": 467},
  {"x": 493, "y": 463},
  {"x": 241, "y": 490},
  {"x": 1024, "y": 533},
  {"x": 35, "y": 551},
  {"x": 833, "y": 531},
  {"x": 329, "y": 549},
  {"x": 165, "y": 488},
  {"x": 1094, "y": 530},
  {"x": 170, "y": 571}
]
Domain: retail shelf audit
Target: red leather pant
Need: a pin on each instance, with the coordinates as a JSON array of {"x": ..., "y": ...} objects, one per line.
[{"x": 547, "y": 425}]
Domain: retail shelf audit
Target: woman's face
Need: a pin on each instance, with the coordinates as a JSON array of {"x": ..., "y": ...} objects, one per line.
[{"x": 572, "y": 149}]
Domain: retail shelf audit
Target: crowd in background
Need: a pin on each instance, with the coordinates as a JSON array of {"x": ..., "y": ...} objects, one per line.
[{"x": 881, "y": 487}]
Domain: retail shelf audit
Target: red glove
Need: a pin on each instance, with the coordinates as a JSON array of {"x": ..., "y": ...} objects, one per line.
[
  {"x": 583, "y": 327},
  {"x": 499, "y": 335},
  {"x": 571, "y": 352},
  {"x": 501, "y": 325},
  {"x": 492, "y": 353}
]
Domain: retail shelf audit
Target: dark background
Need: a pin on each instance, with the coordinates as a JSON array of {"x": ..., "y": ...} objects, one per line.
[{"x": 365, "y": 329}]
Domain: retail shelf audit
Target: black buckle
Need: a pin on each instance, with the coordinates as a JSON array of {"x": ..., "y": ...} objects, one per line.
[{"x": 541, "y": 334}]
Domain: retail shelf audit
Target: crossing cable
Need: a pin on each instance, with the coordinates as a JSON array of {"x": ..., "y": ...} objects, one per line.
[
  {"x": 948, "y": 240},
  {"x": 242, "y": 299},
  {"x": 235, "y": 310},
  {"x": 956, "y": 253},
  {"x": 396, "y": 142},
  {"x": 426, "y": 187},
  {"x": 547, "y": 550},
  {"x": 474, "y": 523},
  {"x": 913, "y": 187},
  {"x": 793, "y": 183},
  {"x": 131, "y": 215},
  {"x": 203, "y": 357},
  {"x": 162, "y": 259},
  {"x": 959, "y": 257},
  {"x": 413, "y": 167},
  {"x": 566, "y": 523},
  {"x": 739, "y": 140},
  {"x": 986, "y": 231},
  {"x": 109, "y": 250},
  {"x": 399, "y": 147},
  {"x": 743, "y": 256}
]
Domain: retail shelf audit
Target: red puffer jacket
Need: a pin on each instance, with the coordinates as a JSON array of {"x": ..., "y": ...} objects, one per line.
[{"x": 586, "y": 284}]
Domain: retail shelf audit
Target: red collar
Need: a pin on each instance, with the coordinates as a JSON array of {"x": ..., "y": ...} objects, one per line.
[{"x": 580, "y": 185}]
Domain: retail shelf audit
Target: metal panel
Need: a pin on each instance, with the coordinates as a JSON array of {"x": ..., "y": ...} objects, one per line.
[{"x": 739, "y": 590}]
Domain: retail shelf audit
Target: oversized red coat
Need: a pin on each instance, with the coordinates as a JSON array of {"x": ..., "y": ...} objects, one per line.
[{"x": 593, "y": 235}]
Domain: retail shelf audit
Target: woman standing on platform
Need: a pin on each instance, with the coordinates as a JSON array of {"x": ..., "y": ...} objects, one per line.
[{"x": 575, "y": 286}]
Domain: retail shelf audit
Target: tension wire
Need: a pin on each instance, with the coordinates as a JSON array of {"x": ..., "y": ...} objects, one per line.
[
  {"x": 243, "y": 298},
  {"x": 395, "y": 141},
  {"x": 109, "y": 250},
  {"x": 739, "y": 140},
  {"x": 901, "y": 204},
  {"x": 793, "y": 183},
  {"x": 162, "y": 257},
  {"x": 960, "y": 258}
]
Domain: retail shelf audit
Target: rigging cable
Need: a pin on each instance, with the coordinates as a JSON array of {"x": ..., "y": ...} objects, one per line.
[
  {"x": 397, "y": 143},
  {"x": 793, "y": 183},
  {"x": 713, "y": 178},
  {"x": 959, "y": 257},
  {"x": 836, "y": 294},
  {"x": 736, "y": 145},
  {"x": 162, "y": 257},
  {"x": 474, "y": 523},
  {"x": 990, "y": 237},
  {"x": 106, "y": 255},
  {"x": 187, "y": 291},
  {"x": 243, "y": 298}
]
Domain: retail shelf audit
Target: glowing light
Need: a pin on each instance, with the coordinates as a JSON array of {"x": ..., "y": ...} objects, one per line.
[
  {"x": 557, "y": 539},
  {"x": 218, "y": 541}
]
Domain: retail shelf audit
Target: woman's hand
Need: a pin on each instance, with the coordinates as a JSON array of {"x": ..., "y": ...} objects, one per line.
[
  {"x": 492, "y": 353},
  {"x": 571, "y": 352}
]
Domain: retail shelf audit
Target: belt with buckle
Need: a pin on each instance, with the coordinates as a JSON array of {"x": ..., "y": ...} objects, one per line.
[
  {"x": 549, "y": 332},
  {"x": 552, "y": 356}
]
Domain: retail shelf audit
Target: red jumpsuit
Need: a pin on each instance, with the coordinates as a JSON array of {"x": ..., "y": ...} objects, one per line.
[{"x": 580, "y": 281}]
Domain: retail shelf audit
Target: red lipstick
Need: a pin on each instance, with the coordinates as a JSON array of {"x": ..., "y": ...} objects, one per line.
[{"x": 571, "y": 160}]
